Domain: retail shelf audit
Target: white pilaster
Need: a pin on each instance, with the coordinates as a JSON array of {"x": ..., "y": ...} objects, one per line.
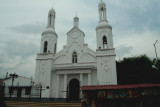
[
  {"x": 81, "y": 79},
  {"x": 89, "y": 78},
  {"x": 57, "y": 83},
  {"x": 65, "y": 85},
  {"x": 81, "y": 83}
]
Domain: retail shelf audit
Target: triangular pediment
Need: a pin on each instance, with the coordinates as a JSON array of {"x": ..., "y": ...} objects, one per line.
[{"x": 76, "y": 29}]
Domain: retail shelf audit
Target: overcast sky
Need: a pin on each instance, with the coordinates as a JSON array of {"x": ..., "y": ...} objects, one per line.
[{"x": 135, "y": 23}]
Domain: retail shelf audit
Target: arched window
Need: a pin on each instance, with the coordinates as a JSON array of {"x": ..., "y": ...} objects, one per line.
[
  {"x": 74, "y": 57},
  {"x": 55, "y": 46},
  {"x": 102, "y": 10},
  {"x": 104, "y": 42},
  {"x": 45, "y": 46},
  {"x": 50, "y": 18}
]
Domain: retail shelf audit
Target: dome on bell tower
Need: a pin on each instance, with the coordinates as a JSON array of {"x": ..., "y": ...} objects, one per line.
[
  {"x": 102, "y": 4},
  {"x": 51, "y": 11},
  {"x": 104, "y": 24}
]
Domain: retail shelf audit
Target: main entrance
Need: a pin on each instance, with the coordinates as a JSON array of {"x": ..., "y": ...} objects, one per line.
[{"x": 74, "y": 89}]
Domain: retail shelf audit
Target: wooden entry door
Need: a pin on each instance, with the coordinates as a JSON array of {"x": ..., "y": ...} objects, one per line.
[{"x": 74, "y": 90}]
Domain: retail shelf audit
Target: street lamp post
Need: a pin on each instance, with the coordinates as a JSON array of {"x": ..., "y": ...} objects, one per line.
[
  {"x": 12, "y": 76},
  {"x": 155, "y": 48}
]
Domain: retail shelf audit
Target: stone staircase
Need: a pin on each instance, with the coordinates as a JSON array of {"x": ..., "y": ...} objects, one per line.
[{"x": 42, "y": 104}]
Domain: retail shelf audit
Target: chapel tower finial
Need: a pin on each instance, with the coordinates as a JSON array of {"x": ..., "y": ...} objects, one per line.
[
  {"x": 76, "y": 21},
  {"x": 102, "y": 11},
  {"x": 51, "y": 18},
  {"x": 49, "y": 35}
]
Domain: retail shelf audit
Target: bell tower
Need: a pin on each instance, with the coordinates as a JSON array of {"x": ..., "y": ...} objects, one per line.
[
  {"x": 49, "y": 35},
  {"x": 44, "y": 59},
  {"x": 105, "y": 53}
]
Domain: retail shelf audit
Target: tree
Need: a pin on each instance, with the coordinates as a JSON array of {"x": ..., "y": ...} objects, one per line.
[
  {"x": 136, "y": 70},
  {"x": 156, "y": 64}
]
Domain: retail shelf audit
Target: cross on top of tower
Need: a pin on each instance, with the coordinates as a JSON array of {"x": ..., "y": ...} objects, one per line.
[
  {"x": 52, "y": 5},
  {"x": 76, "y": 14}
]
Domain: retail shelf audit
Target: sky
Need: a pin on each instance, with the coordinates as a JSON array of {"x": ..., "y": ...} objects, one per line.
[{"x": 135, "y": 26}]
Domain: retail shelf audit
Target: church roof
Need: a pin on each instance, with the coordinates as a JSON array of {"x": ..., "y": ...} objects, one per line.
[{"x": 75, "y": 28}]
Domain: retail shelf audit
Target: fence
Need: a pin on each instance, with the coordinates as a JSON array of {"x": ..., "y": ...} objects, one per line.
[
  {"x": 32, "y": 92},
  {"x": 2, "y": 90}
]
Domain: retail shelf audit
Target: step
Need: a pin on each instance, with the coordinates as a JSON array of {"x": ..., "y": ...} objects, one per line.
[
  {"x": 42, "y": 104},
  {"x": 20, "y": 103}
]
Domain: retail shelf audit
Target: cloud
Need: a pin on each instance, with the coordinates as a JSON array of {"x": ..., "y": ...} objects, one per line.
[
  {"x": 123, "y": 50},
  {"x": 136, "y": 15},
  {"x": 18, "y": 47},
  {"x": 141, "y": 43},
  {"x": 35, "y": 28},
  {"x": 9, "y": 62},
  {"x": 135, "y": 28},
  {"x": 21, "y": 66},
  {"x": 17, "y": 55}
]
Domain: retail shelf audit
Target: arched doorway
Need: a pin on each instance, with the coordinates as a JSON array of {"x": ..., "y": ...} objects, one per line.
[{"x": 74, "y": 89}]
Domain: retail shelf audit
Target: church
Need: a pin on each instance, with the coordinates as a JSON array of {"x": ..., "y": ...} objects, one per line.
[{"x": 62, "y": 74}]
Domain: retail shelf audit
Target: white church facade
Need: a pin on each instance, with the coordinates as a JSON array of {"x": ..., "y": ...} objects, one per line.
[{"x": 63, "y": 74}]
